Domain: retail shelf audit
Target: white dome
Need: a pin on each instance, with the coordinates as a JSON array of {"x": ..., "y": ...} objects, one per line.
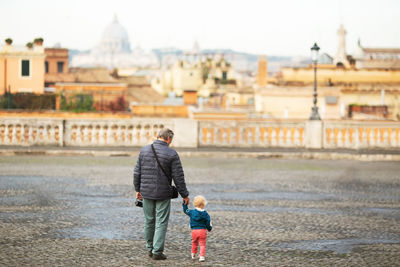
[
  {"x": 113, "y": 51},
  {"x": 115, "y": 39}
]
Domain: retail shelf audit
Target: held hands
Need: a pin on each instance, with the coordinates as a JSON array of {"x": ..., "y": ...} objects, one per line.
[
  {"x": 186, "y": 200},
  {"x": 139, "y": 196}
]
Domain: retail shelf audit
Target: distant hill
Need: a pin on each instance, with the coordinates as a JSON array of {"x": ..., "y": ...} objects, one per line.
[
  {"x": 242, "y": 61},
  {"x": 73, "y": 52}
]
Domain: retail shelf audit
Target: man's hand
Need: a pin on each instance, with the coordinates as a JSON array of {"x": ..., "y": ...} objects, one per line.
[
  {"x": 186, "y": 200},
  {"x": 139, "y": 196}
]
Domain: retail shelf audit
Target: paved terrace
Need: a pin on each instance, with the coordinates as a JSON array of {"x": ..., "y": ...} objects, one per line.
[
  {"x": 78, "y": 211},
  {"x": 377, "y": 154}
]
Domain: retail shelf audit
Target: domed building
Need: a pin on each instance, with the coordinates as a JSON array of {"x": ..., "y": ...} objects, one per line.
[
  {"x": 115, "y": 39},
  {"x": 114, "y": 51}
]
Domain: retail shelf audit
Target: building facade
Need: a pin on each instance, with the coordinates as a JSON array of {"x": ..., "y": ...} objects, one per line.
[
  {"x": 56, "y": 68},
  {"x": 22, "y": 69}
]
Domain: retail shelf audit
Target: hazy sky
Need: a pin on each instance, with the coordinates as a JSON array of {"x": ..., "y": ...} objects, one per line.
[{"x": 280, "y": 27}]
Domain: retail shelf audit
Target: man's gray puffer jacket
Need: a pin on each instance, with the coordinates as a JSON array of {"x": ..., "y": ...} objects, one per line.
[{"x": 148, "y": 177}]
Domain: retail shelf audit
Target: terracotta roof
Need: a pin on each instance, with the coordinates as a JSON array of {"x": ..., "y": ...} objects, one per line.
[
  {"x": 143, "y": 94},
  {"x": 59, "y": 77},
  {"x": 92, "y": 75},
  {"x": 140, "y": 91}
]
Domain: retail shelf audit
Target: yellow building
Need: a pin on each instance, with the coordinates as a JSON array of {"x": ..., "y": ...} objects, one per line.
[
  {"x": 331, "y": 75},
  {"x": 22, "y": 69},
  {"x": 295, "y": 102}
]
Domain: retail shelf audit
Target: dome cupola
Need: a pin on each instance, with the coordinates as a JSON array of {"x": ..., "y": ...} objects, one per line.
[{"x": 115, "y": 39}]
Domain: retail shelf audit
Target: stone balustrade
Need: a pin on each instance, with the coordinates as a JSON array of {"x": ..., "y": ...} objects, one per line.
[
  {"x": 203, "y": 133},
  {"x": 357, "y": 135},
  {"x": 251, "y": 134},
  {"x": 28, "y": 132},
  {"x": 108, "y": 132}
]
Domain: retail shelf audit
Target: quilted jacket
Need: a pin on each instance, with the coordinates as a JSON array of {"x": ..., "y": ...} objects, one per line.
[{"x": 149, "y": 179}]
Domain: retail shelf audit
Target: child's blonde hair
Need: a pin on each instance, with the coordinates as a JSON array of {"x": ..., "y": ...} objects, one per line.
[{"x": 199, "y": 201}]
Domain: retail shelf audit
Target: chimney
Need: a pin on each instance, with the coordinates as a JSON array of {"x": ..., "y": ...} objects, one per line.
[
  {"x": 189, "y": 97},
  {"x": 262, "y": 71},
  {"x": 38, "y": 44}
]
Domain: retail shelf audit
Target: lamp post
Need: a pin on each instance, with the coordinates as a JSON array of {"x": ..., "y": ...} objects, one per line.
[{"x": 314, "y": 57}]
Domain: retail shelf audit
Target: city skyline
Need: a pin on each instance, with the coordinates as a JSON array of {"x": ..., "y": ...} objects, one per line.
[{"x": 286, "y": 28}]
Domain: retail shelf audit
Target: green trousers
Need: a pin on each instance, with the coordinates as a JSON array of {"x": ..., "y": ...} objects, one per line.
[{"x": 156, "y": 216}]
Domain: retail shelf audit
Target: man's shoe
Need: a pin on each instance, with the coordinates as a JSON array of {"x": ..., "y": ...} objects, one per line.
[
  {"x": 202, "y": 258},
  {"x": 193, "y": 256},
  {"x": 158, "y": 257},
  {"x": 150, "y": 254}
]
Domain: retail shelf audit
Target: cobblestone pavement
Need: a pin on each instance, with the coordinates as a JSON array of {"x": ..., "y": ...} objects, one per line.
[{"x": 78, "y": 211}]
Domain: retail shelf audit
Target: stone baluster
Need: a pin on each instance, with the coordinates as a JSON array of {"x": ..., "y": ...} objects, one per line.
[
  {"x": 122, "y": 135},
  {"x": 391, "y": 136},
  {"x": 89, "y": 134},
  {"x": 147, "y": 133},
  {"x": 135, "y": 134},
  {"x": 119, "y": 135},
  {"x": 225, "y": 136},
  {"x": 85, "y": 134},
  {"x": 110, "y": 137},
  {"x": 79, "y": 134},
  {"x": 291, "y": 136},
  {"x": 96, "y": 134},
  {"x": 131, "y": 134},
  {"x": 273, "y": 137},
  {"x": 7, "y": 134},
  {"x": 14, "y": 140},
  {"x": 51, "y": 133},
  {"x": 209, "y": 136},
  {"x": 142, "y": 135},
  {"x": 297, "y": 137},
  {"x": 384, "y": 133},
  {"x": 45, "y": 133},
  {"x": 30, "y": 135}
]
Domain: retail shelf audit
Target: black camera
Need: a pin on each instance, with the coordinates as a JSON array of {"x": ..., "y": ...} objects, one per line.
[{"x": 139, "y": 203}]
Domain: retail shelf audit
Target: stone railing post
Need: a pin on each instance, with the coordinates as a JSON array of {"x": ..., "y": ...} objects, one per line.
[
  {"x": 314, "y": 134},
  {"x": 185, "y": 133}
]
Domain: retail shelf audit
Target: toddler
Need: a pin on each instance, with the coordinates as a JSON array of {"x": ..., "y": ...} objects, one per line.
[{"x": 200, "y": 222}]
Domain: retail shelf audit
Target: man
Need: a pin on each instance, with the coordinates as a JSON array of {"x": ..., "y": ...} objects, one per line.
[{"x": 153, "y": 187}]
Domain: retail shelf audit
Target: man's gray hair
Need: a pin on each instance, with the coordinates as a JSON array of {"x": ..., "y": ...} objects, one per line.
[{"x": 165, "y": 134}]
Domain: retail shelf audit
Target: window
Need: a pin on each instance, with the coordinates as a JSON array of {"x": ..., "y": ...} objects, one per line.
[
  {"x": 60, "y": 67},
  {"x": 46, "y": 67},
  {"x": 25, "y": 68},
  {"x": 224, "y": 75}
]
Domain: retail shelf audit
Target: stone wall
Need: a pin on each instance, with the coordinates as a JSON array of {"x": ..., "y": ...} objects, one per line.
[{"x": 136, "y": 132}]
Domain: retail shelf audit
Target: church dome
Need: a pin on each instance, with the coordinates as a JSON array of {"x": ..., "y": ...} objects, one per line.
[{"x": 115, "y": 39}]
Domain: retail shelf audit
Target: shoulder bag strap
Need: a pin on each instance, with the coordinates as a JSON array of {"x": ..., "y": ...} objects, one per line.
[{"x": 159, "y": 164}]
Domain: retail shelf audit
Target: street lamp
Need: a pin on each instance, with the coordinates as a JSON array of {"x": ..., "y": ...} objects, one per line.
[{"x": 314, "y": 57}]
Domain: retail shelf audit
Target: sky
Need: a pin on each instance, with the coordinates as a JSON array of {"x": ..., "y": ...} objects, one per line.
[{"x": 274, "y": 28}]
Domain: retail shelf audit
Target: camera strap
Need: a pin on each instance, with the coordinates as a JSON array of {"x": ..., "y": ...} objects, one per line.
[{"x": 159, "y": 164}]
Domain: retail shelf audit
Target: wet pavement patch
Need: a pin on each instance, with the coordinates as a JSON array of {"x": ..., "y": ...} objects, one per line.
[{"x": 340, "y": 246}]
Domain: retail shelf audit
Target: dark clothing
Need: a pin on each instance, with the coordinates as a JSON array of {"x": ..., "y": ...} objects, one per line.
[
  {"x": 199, "y": 219},
  {"x": 150, "y": 180}
]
